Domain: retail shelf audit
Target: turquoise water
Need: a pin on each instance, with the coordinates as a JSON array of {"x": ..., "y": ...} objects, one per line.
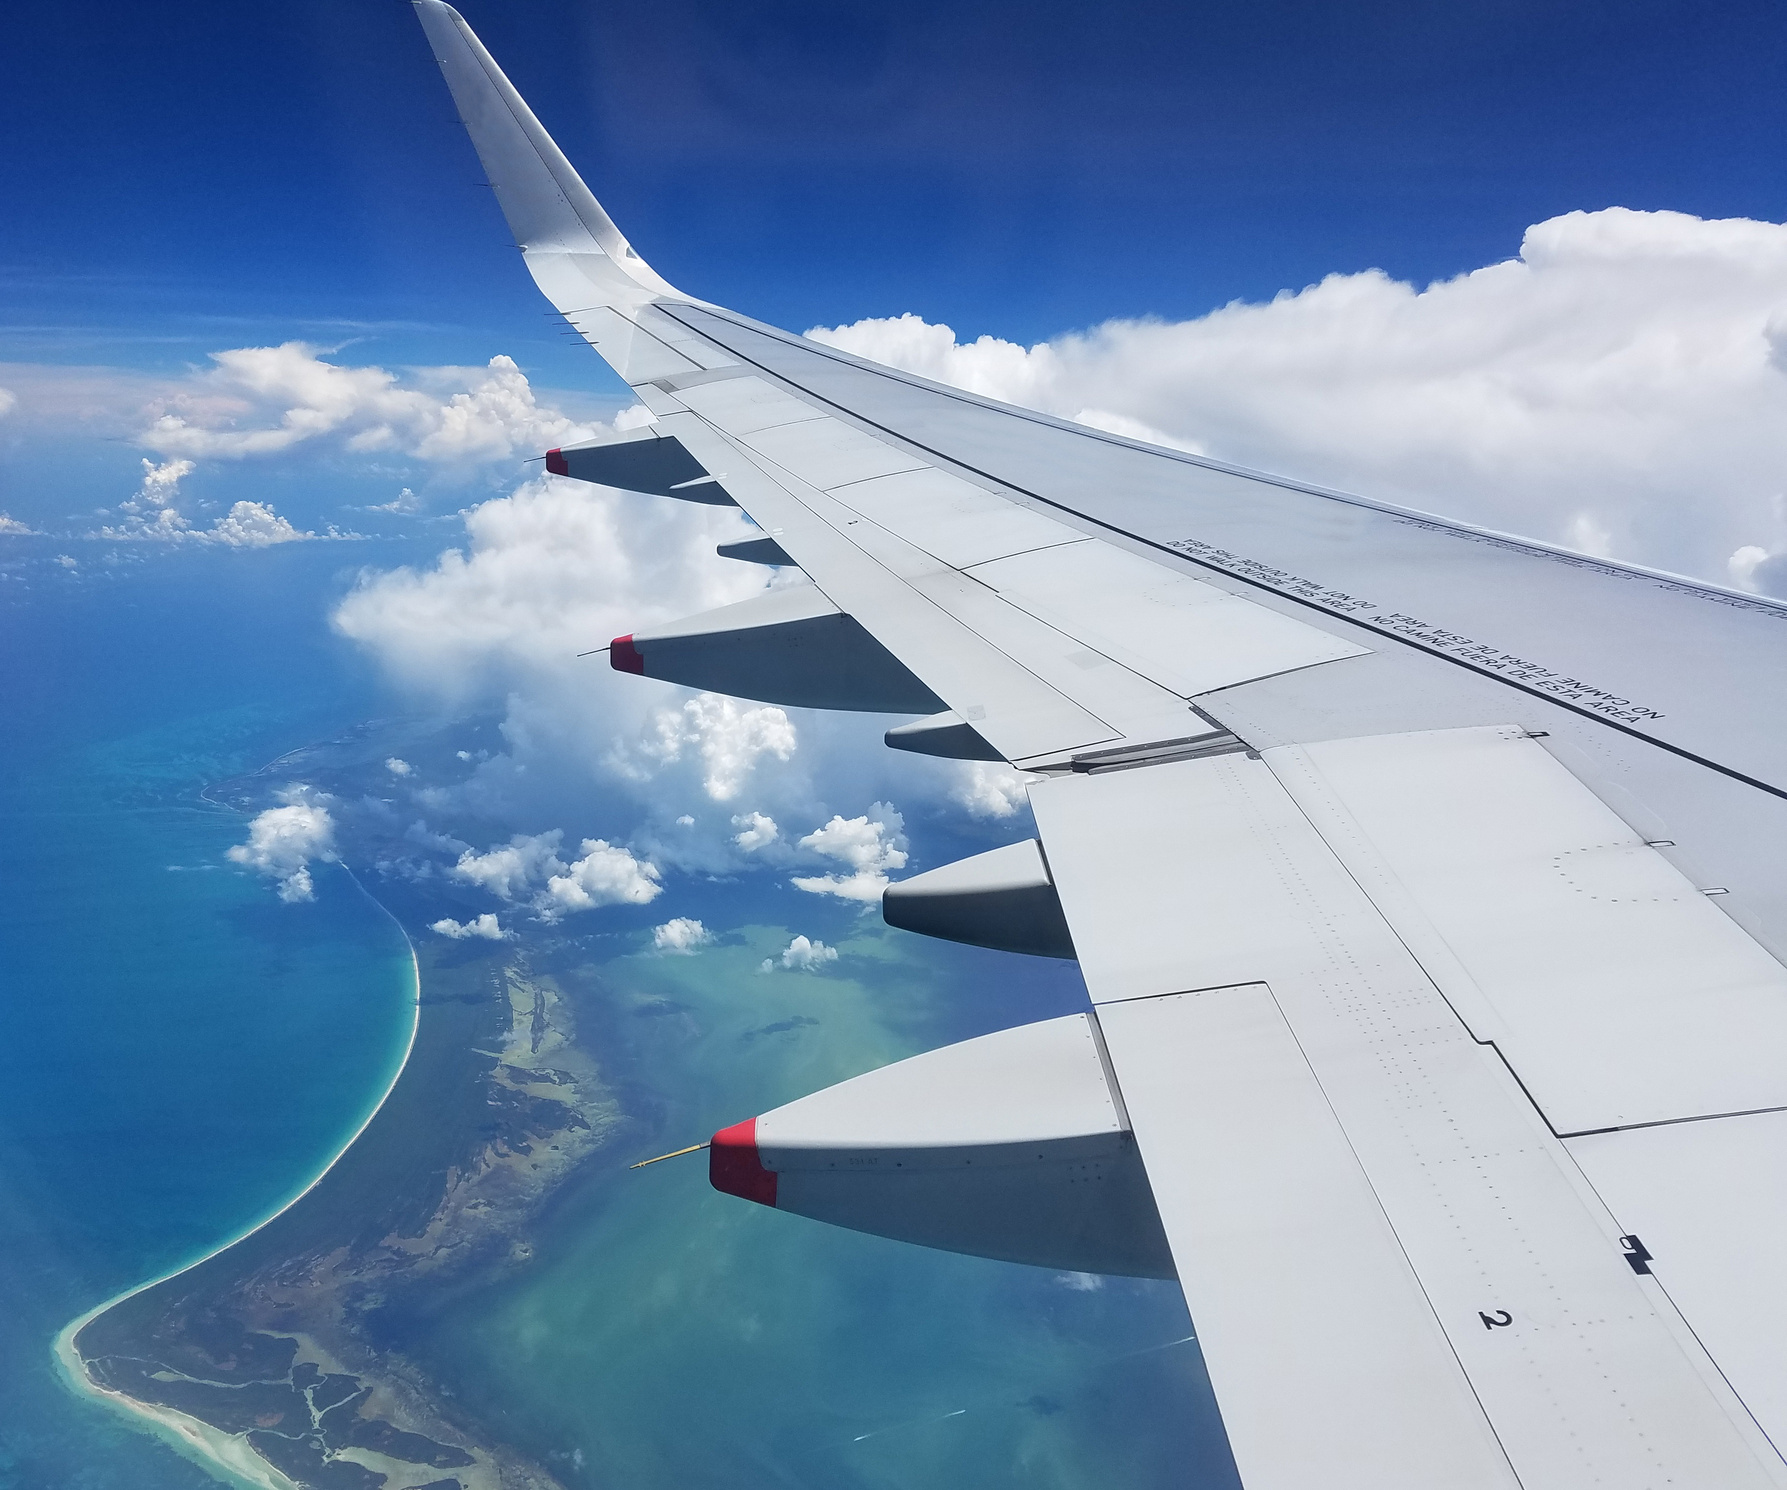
[
  {"x": 672, "y": 1336},
  {"x": 182, "y": 1052}
]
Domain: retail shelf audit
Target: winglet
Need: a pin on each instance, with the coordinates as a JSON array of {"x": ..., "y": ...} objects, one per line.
[{"x": 548, "y": 207}]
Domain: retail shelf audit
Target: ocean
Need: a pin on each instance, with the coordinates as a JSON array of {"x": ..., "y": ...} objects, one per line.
[
  {"x": 183, "y": 1052},
  {"x": 186, "y": 1052}
]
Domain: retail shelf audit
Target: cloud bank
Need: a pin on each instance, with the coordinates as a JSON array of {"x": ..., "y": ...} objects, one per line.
[
  {"x": 1620, "y": 387},
  {"x": 268, "y": 400}
]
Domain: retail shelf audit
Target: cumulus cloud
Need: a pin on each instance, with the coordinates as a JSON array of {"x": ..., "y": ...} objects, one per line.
[
  {"x": 756, "y": 831},
  {"x": 152, "y": 514},
  {"x": 484, "y": 926},
  {"x": 868, "y": 846},
  {"x": 282, "y": 842},
  {"x": 803, "y": 955},
  {"x": 680, "y": 934},
  {"x": 254, "y": 525},
  {"x": 405, "y": 502},
  {"x": 14, "y": 526},
  {"x": 511, "y": 870},
  {"x": 1620, "y": 386},
  {"x": 727, "y": 736},
  {"x": 266, "y": 400},
  {"x": 1755, "y": 569},
  {"x": 988, "y": 789},
  {"x": 552, "y": 570},
  {"x": 529, "y": 868},
  {"x": 607, "y": 874},
  {"x": 399, "y": 767}
]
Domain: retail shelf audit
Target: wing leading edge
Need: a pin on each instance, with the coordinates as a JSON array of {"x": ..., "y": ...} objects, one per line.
[{"x": 1422, "y": 880}]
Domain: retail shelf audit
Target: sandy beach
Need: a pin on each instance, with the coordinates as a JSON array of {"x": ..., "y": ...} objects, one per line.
[{"x": 225, "y": 1454}]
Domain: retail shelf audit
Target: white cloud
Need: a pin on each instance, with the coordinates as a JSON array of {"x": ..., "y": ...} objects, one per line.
[
  {"x": 511, "y": 870},
  {"x": 1080, "y": 1282},
  {"x": 1755, "y": 569},
  {"x": 552, "y": 570},
  {"x": 989, "y": 789},
  {"x": 529, "y": 868},
  {"x": 1619, "y": 386},
  {"x": 607, "y": 874},
  {"x": 868, "y": 846},
  {"x": 8, "y": 401},
  {"x": 685, "y": 821},
  {"x": 681, "y": 934},
  {"x": 152, "y": 514},
  {"x": 484, "y": 926},
  {"x": 14, "y": 526},
  {"x": 807, "y": 956},
  {"x": 254, "y": 525},
  {"x": 266, "y": 400},
  {"x": 283, "y": 840},
  {"x": 406, "y": 501},
  {"x": 756, "y": 831},
  {"x": 399, "y": 767},
  {"x": 161, "y": 484},
  {"x": 419, "y": 832},
  {"x": 729, "y": 737}
]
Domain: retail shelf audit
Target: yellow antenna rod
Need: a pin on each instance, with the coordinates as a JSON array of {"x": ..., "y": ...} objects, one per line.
[{"x": 676, "y": 1155}]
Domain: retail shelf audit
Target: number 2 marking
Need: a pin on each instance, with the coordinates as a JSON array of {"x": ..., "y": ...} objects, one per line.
[{"x": 1496, "y": 1320}]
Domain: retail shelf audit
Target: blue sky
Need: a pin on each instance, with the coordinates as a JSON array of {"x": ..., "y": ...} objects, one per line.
[
  {"x": 191, "y": 179},
  {"x": 184, "y": 177}
]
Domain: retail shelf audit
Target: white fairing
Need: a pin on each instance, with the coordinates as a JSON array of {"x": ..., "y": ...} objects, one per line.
[
  {"x": 1010, "y": 1146},
  {"x": 787, "y": 646},
  {"x": 1003, "y": 899}
]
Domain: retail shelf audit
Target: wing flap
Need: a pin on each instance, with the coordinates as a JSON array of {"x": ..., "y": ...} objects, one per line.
[
  {"x": 1328, "y": 1364},
  {"x": 1616, "y": 989},
  {"x": 1704, "y": 1203},
  {"x": 1205, "y": 875}
]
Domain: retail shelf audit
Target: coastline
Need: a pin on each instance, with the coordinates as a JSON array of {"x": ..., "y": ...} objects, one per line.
[{"x": 190, "y": 1436}]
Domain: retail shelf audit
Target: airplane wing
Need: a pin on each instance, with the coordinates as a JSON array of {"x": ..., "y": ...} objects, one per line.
[{"x": 1426, "y": 881}]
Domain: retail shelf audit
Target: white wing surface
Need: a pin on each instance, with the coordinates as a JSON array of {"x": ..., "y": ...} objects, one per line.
[{"x": 1427, "y": 883}]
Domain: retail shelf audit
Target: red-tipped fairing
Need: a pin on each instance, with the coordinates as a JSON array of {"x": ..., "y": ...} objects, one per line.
[
  {"x": 624, "y": 657},
  {"x": 1011, "y": 1146},
  {"x": 734, "y": 1166}
]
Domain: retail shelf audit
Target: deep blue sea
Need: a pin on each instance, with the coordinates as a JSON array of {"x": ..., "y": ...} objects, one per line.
[{"x": 182, "y": 1052}]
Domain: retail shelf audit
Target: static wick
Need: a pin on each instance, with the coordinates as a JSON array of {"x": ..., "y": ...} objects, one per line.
[
  {"x": 661, "y": 1157},
  {"x": 608, "y": 648}
]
